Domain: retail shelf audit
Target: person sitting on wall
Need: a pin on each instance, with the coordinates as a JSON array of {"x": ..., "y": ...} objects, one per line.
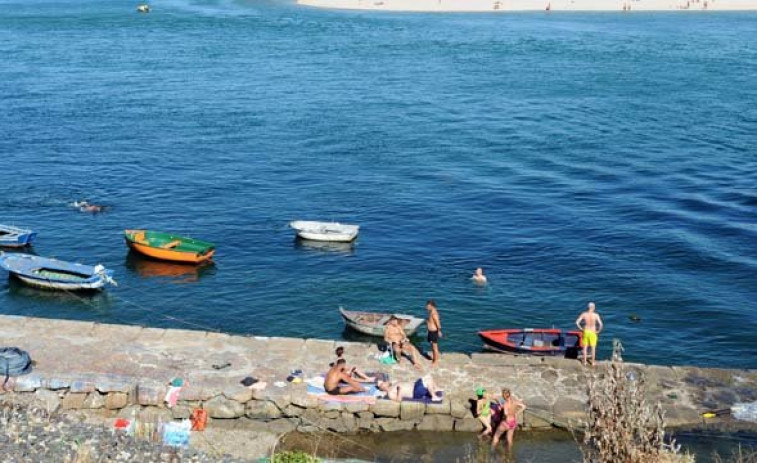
[
  {"x": 339, "y": 382},
  {"x": 354, "y": 372},
  {"x": 394, "y": 335}
]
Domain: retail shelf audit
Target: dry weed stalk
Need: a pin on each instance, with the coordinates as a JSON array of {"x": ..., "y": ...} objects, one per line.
[
  {"x": 739, "y": 456},
  {"x": 622, "y": 426}
]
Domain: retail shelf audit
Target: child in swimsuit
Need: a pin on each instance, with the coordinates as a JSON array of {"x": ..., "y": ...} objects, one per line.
[{"x": 484, "y": 411}]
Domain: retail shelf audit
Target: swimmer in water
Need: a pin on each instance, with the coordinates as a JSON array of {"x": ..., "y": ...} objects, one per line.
[
  {"x": 479, "y": 278},
  {"x": 84, "y": 206}
]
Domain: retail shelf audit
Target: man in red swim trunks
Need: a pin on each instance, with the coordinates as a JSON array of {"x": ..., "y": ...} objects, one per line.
[{"x": 510, "y": 409}]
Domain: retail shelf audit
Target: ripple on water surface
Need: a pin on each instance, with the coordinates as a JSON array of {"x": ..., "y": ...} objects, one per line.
[{"x": 575, "y": 157}]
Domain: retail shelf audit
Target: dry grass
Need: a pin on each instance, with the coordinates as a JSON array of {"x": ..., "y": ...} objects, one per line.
[
  {"x": 739, "y": 456},
  {"x": 622, "y": 426}
]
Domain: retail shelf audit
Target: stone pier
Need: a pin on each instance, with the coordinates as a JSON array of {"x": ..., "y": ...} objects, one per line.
[{"x": 116, "y": 370}]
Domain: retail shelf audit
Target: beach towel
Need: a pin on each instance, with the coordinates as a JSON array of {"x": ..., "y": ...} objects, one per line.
[
  {"x": 315, "y": 388},
  {"x": 177, "y": 434},
  {"x": 377, "y": 375},
  {"x": 427, "y": 400}
]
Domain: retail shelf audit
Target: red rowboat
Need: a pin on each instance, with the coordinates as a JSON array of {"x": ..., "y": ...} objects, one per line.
[{"x": 533, "y": 341}]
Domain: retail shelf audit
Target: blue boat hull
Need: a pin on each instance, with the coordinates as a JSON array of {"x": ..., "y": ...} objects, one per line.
[
  {"x": 18, "y": 241},
  {"x": 54, "y": 274}
]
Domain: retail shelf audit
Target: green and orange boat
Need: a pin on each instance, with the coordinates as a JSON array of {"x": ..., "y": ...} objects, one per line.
[{"x": 165, "y": 246}]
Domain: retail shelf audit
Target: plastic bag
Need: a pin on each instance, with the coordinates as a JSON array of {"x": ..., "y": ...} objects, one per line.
[
  {"x": 387, "y": 358},
  {"x": 177, "y": 434},
  {"x": 745, "y": 411}
]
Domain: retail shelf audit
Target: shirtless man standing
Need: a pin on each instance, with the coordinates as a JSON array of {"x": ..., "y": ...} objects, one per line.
[
  {"x": 337, "y": 375},
  {"x": 592, "y": 325},
  {"x": 434, "y": 326}
]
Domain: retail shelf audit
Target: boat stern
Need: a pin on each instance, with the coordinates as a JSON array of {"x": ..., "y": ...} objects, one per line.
[{"x": 18, "y": 240}]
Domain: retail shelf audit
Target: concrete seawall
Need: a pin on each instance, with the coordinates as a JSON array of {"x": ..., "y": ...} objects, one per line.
[{"x": 117, "y": 370}]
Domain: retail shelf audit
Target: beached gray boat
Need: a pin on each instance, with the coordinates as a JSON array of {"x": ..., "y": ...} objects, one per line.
[{"x": 373, "y": 323}]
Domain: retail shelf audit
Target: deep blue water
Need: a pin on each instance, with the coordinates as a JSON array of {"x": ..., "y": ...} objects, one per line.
[{"x": 576, "y": 157}]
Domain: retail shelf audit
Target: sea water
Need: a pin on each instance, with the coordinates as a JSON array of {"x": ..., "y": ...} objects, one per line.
[{"x": 576, "y": 157}]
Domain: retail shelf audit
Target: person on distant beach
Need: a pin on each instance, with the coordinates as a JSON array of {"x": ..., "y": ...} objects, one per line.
[
  {"x": 394, "y": 335},
  {"x": 434, "y": 326},
  {"x": 336, "y": 376},
  {"x": 510, "y": 409},
  {"x": 484, "y": 411},
  {"x": 592, "y": 326},
  {"x": 478, "y": 277},
  {"x": 422, "y": 389},
  {"x": 352, "y": 371}
]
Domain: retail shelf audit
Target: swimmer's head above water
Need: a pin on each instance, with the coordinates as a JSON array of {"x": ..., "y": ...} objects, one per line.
[{"x": 478, "y": 276}]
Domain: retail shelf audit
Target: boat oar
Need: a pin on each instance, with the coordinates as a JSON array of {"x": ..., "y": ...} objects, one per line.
[{"x": 714, "y": 413}]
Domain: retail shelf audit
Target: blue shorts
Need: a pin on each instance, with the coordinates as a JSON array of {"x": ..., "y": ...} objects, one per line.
[{"x": 420, "y": 391}]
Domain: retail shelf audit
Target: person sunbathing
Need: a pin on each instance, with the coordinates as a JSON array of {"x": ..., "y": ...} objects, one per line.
[
  {"x": 422, "y": 389},
  {"x": 352, "y": 371},
  {"x": 394, "y": 335},
  {"x": 338, "y": 382}
]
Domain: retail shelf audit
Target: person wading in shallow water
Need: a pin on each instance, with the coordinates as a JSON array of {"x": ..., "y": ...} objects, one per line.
[
  {"x": 592, "y": 325},
  {"x": 434, "y": 326},
  {"x": 510, "y": 409}
]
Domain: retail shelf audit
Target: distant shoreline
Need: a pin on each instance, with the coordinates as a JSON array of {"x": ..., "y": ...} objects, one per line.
[{"x": 534, "y": 5}]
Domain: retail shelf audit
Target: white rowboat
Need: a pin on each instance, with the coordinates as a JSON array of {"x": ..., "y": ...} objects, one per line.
[
  {"x": 325, "y": 231},
  {"x": 374, "y": 323}
]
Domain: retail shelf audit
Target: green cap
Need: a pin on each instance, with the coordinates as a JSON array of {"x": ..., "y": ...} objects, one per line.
[{"x": 480, "y": 391}]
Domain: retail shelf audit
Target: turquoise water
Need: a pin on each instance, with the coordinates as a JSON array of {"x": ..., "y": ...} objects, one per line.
[{"x": 576, "y": 157}]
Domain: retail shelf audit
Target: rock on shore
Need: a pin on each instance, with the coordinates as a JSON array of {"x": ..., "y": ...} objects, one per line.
[{"x": 28, "y": 433}]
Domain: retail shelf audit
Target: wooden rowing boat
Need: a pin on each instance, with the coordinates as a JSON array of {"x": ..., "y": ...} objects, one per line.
[
  {"x": 533, "y": 341},
  {"x": 14, "y": 237},
  {"x": 46, "y": 273},
  {"x": 373, "y": 323},
  {"x": 165, "y": 246},
  {"x": 325, "y": 231}
]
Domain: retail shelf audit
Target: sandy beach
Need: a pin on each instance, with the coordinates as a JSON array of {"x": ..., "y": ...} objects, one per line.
[{"x": 535, "y": 5}]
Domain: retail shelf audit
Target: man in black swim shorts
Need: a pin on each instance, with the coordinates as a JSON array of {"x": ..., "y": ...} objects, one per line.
[
  {"x": 339, "y": 382},
  {"x": 434, "y": 326}
]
